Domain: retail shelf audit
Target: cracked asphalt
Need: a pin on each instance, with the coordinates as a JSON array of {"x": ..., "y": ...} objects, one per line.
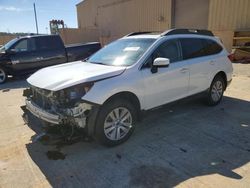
[{"x": 184, "y": 144}]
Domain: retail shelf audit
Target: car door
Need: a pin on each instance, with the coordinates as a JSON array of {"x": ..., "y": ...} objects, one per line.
[
  {"x": 168, "y": 83},
  {"x": 201, "y": 64},
  {"x": 51, "y": 51},
  {"x": 23, "y": 56}
]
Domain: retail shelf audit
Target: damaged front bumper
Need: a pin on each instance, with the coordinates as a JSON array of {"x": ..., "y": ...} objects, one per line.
[
  {"x": 42, "y": 114},
  {"x": 57, "y": 109},
  {"x": 74, "y": 116}
]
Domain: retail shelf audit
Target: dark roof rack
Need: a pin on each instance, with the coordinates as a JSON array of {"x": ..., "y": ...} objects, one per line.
[
  {"x": 140, "y": 33},
  {"x": 187, "y": 31}
]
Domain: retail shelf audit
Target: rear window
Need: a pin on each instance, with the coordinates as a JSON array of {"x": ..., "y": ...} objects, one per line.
[
  {"x": 194, "y": 47},
  {"x": 48, "y": 43}
]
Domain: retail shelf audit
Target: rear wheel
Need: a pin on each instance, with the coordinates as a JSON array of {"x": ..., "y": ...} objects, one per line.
[
  {"x": 115, "y": 122},
  {"x": 216, "y": 91},
  {"x": 3, "y": 75}
]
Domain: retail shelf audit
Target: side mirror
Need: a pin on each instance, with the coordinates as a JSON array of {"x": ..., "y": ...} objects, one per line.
[
  {"x": 159, "y": 62},
  {"x": 11, "y": 51}
]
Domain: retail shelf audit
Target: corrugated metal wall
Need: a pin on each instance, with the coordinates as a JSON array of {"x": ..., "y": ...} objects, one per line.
[
  {"x": 125, "y": 16},
  {"x": 115, "y": 18},
  {"x": 87, "y": 14},
  {"x": 145, "y": 14},
  {"x": 229, "y": 15},
  {"x": 190, "y": 13},
  {"x": 71, "y": 36}
]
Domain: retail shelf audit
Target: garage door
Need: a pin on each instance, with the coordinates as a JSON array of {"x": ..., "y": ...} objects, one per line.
[{"x": 190, "y": 14}]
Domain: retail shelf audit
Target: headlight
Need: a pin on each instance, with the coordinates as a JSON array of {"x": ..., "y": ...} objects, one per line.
[
  {"x": 71, "y": 95},
  {"x": 78, "y": 91}
]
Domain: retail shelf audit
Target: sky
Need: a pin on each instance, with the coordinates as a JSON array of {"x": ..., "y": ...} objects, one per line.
[{"x": 18, "y": 15}]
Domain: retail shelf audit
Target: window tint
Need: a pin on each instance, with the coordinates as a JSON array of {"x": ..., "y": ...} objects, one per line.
[
  {"x": 211, "y": 47},
  {"x": 168, "y": 50},
  {"x": 21, "y": 46},
  {"x": 48, "y": 43},
  {"x": 25, "y": 45},
  {"x": 192, "y": 47}
]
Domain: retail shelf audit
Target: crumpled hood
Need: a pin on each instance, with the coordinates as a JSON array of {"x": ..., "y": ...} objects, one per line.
[{"x": 65, "y": 75}]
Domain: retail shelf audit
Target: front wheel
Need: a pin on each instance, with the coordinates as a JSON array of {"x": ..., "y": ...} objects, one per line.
[
  {"x": 115, "y": 122},
  {"x": 216, "y": 90},
  {"x": 3, "y": 76}
]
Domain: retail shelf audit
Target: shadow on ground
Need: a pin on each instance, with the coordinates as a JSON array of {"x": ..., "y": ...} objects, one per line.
[
  {"x": 13, "y": 83},
  {"x": 172, "y": 144}
]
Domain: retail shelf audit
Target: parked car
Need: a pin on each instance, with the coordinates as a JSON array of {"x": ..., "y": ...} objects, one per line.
[
  {"x": 106, "y": 93},
  {"x": 25, "y": 55}
]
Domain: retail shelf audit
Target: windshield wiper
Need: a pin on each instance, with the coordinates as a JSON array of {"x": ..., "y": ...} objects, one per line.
[
  {"x": 99, "y": 63},
  {"x": 85, "y": 60}
]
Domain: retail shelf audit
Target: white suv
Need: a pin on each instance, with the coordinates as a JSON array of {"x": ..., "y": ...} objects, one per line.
[{"x": 106, "y": 93}]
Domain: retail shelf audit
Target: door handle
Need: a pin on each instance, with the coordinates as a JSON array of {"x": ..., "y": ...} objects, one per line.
[
  {"x": 39, "y": 58},
  {"x": 211, "y": 62},
  {"x": 184, "y": 70}
]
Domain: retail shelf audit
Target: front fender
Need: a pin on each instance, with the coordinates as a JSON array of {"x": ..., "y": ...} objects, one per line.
[{"x": 103, "y": 90}]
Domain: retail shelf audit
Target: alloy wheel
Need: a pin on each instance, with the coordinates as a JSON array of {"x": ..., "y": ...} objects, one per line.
[
  {"x": 217, "y": 91},
  {"x": 2, "y": 76},
  {"x": 118, "y": 123}
]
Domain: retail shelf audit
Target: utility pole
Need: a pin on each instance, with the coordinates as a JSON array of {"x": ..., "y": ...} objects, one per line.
[{"x": 35, "y": 17}]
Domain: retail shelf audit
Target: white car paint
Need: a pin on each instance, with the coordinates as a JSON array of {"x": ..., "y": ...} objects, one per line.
[
  {"x": 59, "y": 77},
  {"x": 179, "y": 80}
]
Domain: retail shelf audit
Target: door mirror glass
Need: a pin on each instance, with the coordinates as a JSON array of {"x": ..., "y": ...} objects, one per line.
[{"x": 161, "y": 62}]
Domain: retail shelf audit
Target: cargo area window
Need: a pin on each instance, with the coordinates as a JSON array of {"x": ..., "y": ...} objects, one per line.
[{"x": 194, "y": 47}]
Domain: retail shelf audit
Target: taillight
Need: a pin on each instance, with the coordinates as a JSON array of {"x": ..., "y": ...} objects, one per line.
[{"x": 231, "y": 57}]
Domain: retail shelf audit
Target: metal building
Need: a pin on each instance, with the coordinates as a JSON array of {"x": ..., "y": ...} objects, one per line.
[{"x": 115, "y": 18}]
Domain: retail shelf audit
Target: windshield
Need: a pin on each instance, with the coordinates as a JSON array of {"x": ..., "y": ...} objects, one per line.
[
  {"x": 124, "y": 52},
  {"x": 8, "y": 45}
]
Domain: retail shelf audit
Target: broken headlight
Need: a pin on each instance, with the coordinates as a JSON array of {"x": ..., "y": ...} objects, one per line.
[
  {"x": 72, "y": 95},
  {"x": 78, "y": 92}
]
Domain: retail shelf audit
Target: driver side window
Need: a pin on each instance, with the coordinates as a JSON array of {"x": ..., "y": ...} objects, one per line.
[
  {"x": 25, "y": 45},
  {"x": 168, "y": 49}
]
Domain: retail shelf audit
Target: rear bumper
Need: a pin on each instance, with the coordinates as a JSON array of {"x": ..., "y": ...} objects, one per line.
[{"x": 42, "y": 114}]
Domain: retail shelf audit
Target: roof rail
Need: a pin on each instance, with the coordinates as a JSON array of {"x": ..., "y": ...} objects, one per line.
[
  {"x": 138, "y": 33},
  {"x": 187, "y": 31}
]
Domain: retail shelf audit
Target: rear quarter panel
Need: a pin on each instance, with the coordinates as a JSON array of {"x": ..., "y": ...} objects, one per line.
[{"x": 224, "y": 64}]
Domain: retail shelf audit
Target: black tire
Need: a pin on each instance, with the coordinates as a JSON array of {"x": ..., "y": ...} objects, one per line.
[
  {"x": 3, "y": 75},
  {"x": 212, "y": 100},
  {"x": 104, "y": 113}
]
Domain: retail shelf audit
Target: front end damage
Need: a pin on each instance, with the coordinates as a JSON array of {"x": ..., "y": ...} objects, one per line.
[{"x": 63, "y": 107}]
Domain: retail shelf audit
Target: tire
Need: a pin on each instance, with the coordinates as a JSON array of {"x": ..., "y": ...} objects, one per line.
[
  {"x": 216, "y": 91},
  {"x": 3, "y": 75},
  {"x": 115, "y": 122}
]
